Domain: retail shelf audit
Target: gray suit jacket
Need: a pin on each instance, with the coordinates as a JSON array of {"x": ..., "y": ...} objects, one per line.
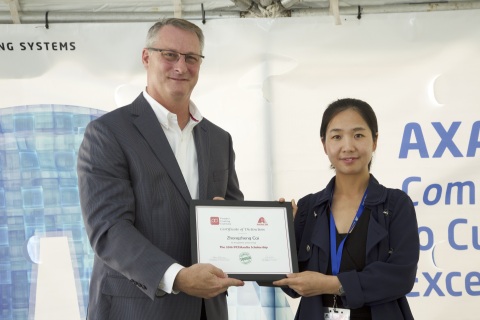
[{"x": 135, "y": 206}]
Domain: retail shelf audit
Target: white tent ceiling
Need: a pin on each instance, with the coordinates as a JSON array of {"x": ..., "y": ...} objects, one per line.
[{"x": 58, "y": 11}]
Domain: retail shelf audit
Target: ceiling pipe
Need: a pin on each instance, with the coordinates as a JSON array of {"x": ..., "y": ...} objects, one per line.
[
  {"x": 289, "y": 3},
  {"x": 401, "y": 8},
  {"x": 110, "y": 17}
]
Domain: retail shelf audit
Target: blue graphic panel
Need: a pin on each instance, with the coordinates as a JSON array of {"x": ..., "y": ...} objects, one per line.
[
  {"x": 253, "y": 302},
  {"x": 38, "y": 197}
]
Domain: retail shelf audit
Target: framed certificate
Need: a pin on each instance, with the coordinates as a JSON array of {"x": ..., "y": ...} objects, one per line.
[{"x": 248, "y": 240}]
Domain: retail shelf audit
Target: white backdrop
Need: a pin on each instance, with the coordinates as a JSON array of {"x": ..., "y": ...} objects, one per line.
[{"x": 267, "y": 82}]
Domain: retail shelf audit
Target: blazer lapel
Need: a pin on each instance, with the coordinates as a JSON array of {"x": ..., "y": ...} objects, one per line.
[
  {"x": 148, "y": 125},
  {"x": 202, "y": 144},
  {"x": 320, "y": 237},
  {"x": 376, "y": 233}
]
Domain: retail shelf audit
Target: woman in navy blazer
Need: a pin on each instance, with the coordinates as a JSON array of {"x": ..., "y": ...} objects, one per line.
[{"x": 357, "y": 241}]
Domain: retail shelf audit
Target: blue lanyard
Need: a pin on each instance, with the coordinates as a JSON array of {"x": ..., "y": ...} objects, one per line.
[{"x": 337, "y": 254}]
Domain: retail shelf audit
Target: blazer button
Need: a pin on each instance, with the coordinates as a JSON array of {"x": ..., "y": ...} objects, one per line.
[{"x": 308, "y": 248}]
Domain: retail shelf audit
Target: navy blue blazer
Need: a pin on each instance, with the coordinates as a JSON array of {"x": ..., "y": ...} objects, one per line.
[{"x": 392, "y": 253}]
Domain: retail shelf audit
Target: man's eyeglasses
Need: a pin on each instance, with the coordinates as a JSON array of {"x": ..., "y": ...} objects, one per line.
[{"x": 173, "y": 56}]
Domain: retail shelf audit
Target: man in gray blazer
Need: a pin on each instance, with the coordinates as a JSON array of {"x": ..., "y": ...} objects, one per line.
[{"x": 138, "y": 168}]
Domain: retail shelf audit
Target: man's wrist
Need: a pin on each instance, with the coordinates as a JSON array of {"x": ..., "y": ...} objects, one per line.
[{"x": 167, "y": 282}]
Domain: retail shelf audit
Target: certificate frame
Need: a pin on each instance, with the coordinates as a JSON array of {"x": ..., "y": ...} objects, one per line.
[{"x": 223, "y": 231}]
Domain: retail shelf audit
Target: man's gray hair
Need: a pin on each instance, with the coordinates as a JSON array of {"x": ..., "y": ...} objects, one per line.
[{"x": 178, "y": 23}]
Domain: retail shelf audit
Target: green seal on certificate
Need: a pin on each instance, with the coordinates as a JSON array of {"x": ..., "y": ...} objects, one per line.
[{"x": 245, "y": 258}]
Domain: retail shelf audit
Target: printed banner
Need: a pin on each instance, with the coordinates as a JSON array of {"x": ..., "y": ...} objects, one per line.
[{"x": 267, "y": 82}]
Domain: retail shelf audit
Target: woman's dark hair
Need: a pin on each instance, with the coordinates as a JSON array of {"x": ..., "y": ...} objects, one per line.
[{"x": 363, "y": 109}]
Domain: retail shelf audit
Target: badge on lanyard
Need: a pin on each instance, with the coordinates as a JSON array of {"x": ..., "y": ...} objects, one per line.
[{"x": 336, "y": 314}]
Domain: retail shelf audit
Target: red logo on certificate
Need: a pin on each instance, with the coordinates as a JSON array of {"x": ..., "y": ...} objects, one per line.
[
  {"x": 214, "y": 220},
  {"x": 262, "y": 222}
]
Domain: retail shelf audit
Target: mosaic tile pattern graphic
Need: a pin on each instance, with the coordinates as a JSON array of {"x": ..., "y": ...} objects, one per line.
[{"x": 39, "y": 198}]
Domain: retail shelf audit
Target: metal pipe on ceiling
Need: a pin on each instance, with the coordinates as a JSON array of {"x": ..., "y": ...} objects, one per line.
[
  {"x": 110, "y": 17},
  {"x": 401, "y": 8},
  {"x": 289, "y": 3}
]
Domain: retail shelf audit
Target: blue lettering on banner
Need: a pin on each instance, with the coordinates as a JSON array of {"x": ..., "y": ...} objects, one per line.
[
  {"x": 439, "y": 283},
  {"x": 428, "y": 232},
  {"x": 436, "y": 284},
  {"x": 453, "y": 229},
  {"x": 433, "y": 193},
  {"x": 451, "y": 235},
  {"x": 414, "y": 130},
  {"x": 463, "y": 234}
]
